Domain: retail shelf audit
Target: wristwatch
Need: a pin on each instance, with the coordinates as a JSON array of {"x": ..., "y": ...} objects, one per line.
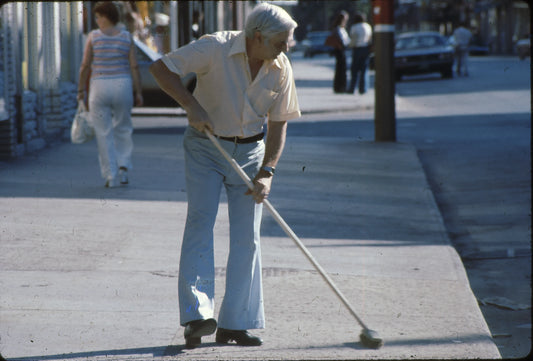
[{"x": 269, "y": 170}]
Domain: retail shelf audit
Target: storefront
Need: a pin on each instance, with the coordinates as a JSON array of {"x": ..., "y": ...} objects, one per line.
[
  {"x": 38, "y": 87},
  {"x": 41, "y": 48}
]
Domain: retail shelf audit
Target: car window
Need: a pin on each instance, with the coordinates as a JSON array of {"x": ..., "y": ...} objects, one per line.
[
  {"x": 318, "y": 37},
  {"x": 407, "y": 43},
  {"x": 429, "y": 41},
  {"x": 415, "y": 42},
  {"x": 141, "y": 56}
]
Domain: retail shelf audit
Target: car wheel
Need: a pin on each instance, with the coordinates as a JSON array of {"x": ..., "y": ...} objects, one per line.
[{"x": 447, "y": 73}]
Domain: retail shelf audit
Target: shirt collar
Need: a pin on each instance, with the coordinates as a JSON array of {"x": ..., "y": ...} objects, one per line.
[
  {"x": 239, "y": 47},
  {"x": 276, "y": 62}
]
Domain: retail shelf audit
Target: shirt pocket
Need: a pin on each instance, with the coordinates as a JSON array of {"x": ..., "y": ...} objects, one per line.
[{"x": 260, "y": 100}]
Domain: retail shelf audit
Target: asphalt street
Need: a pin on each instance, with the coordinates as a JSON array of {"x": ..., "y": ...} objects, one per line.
[{"x": 473, "y": 137}]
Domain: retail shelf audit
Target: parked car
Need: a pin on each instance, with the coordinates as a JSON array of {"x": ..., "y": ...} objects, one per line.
[
  {"x": 313, "y": 44},
  {"x": 523, "y": 48},
  {"x": 152, "y": 93},
  {"x": 421, "y": 53}
]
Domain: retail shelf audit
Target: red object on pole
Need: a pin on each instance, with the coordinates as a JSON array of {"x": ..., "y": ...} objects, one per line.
[{"x": 383, "y": 12}]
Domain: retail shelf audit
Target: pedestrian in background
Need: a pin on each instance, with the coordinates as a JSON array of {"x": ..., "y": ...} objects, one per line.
[
  {"x": 132, "y": 20},
  {"x": 462, "y": 37},
  {"x": 339, "y": 43},
  {"x": 243, "y": 79},
  {"x": 360, "y": 41},
  {"x": 110, "y": 65}
]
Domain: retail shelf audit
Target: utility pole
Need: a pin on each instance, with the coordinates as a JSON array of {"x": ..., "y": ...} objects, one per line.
[{"x": 384, "y": 108}]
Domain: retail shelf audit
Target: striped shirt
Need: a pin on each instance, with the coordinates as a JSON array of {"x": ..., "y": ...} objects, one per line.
[{"x": 110, "y": 55}]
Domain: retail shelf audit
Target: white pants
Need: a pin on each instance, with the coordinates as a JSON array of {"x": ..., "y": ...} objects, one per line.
[
  {"x": 110, "y": 103},
  {"x": 462, "y": 60}
]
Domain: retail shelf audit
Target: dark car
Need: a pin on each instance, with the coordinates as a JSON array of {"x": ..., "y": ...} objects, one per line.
[
  {"x": 478, "y": 46},
  {"x": 313, "y": 44},
  {"x": 421, "y": 53},
  {"x": 523, "y": 48},
  {"x": 153, "y": 95}
]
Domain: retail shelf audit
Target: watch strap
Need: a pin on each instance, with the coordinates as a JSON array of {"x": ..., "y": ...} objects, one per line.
[{"x": 270, "y": 170}]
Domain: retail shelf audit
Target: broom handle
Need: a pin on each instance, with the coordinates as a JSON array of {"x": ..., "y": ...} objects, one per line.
[{"x": 286, "y": 228}]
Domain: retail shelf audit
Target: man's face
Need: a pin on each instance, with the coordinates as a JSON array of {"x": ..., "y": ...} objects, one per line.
[{"x": 272, "y": 47}]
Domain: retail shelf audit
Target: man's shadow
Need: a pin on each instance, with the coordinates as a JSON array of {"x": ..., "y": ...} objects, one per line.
[{"x": 160, "y": 351}]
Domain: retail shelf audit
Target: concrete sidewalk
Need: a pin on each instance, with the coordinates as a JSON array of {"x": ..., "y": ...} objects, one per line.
[{"x": 90, "y": 273}]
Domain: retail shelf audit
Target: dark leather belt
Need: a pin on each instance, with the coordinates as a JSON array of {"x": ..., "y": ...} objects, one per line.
[{"x": 238, "y": 140}]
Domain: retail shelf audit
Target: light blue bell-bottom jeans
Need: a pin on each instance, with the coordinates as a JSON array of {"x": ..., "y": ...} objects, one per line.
[{"x": 206, "y": 171}]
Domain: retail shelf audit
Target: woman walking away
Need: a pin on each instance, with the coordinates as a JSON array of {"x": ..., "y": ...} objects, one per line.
[
  {"x": 109, "y": 61},
  {"x": 339, "y": 31}
]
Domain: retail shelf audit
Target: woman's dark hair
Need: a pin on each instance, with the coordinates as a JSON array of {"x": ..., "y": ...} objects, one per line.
[
  {"x": 339, "y": 18},
  {"x": 107, "y": 9},
  {"x": 358, "y": 18}
]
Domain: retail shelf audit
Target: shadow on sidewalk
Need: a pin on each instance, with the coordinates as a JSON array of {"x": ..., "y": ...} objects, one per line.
[
  {"x": 313, "y": 83},
  {"x": 68, "y": 171},
  {"x": 159, "y": 351},
  {"x": 176, "y": 350}
]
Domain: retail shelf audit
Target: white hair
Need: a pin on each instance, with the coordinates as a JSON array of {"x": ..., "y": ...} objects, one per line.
[{"x": 269, "y": 20}]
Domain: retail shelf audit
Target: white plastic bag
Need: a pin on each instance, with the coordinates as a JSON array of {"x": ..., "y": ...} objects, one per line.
[{"x": 81, "y": 130}]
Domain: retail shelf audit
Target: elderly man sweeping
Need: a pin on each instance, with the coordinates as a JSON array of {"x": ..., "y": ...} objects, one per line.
[{"x": 244, "y": 79}]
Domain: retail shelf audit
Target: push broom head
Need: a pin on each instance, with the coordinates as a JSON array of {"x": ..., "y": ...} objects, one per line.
[{"x": 370, "y": 338}]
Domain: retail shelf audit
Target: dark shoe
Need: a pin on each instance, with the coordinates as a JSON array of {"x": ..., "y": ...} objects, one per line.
[
  {"x": 242, "y": 338},
  {"x": 196, "y": 329},
  {"x": 123, "y": 175}
]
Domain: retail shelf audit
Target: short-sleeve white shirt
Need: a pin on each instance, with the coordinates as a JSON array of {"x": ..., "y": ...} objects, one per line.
[
  {"x": 236, "y": 105},
  {"x": 462, "y": 36},
  {"x": 361, "y": 35}
]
